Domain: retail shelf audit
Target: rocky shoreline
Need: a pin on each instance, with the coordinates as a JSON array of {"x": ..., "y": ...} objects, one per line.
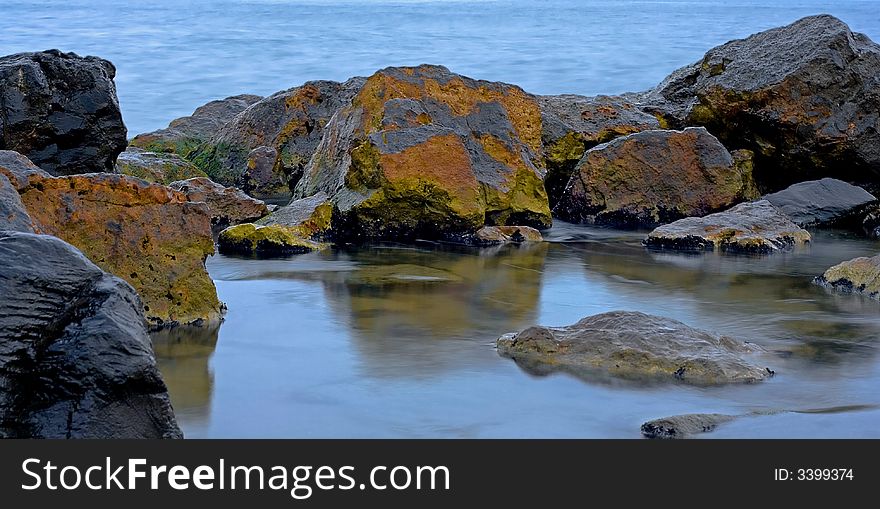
[{"x": 743, "y": 152}]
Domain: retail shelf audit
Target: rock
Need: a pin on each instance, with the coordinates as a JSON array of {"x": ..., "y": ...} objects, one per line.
[
  {"x": 265, "y": 148},
  {"x": 61, "y": 111},
  {"x": 826, "y": 202},
  {"x": 425, "y": 153},
  {"x": 634, "y": 345},
  {"x": 804, "y": 97},
  {"x": 156, "y": 167},
  {"x": 490, "y": 235},
  {"x": 13, "y": 216},
  {"x": 859, "y": 275},
  {"x": 654, "y": 177},
  {"x": 75, "y": 358},
  {"x": 185, "y": 134},
  {"x": 147, "y": 234},
  {"x": 871, "y": 222},
  {"x": 572, "y": 124},
  {"x": 681, "y": 426},
  {"x": 754, "y": 227},
  {"x": 19, "y": 169},
  {"x": 297, "y": 228},
  {"x": 227, "y": 205}
]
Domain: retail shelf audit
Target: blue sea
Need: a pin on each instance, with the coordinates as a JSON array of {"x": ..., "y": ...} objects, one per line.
[{"x": 174, "y": 55}]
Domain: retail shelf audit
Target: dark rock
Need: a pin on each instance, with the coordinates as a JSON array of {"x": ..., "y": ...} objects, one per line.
[
  {"x": 61, "y": 111},
  {"x": 227, "y": 205},
  {"x": 156, "y": 167},
  {"x": 682, "y": 426},
  {"x": 572, "y": 124},
  {"x": 265, "y": 148},
  {"x": 19, "y": 169},
  {"x": 826, "y": 202},
  {"x": 75, "y": 358},
  {"x": 754, "y": 227},
  {"x": 185, "y": 134},
  {"x": 804, "y": 97},
  {"x": 13, "y": 216},
  {"x": 425, "y": 153},
  {"x": 859, "y": 275},
  {"x": 634, "y": 345},
  {"x": 654, "y": 177}
]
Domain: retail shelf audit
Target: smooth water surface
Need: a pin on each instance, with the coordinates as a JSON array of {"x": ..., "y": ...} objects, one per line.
[
  {"x": 398, "y": 341},
  {"x": 174, "y": 55}
]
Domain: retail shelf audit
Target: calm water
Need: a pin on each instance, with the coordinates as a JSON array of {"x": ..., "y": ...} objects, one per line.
[
  {"x": 173, "y": 55},
  {"x": 397, "y": 341}
]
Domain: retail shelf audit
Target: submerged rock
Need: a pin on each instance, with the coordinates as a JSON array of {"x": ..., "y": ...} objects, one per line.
[
  {"x": 754, "y": 227},
  {"x": 13, "y": 216},
  {"x": 147, "y": 234},
  {"x": 19, "y": 169},
  {"x": 227, "y": 205},
  {"x": 635, "y": 345},
  {"x": 859, "y": 275},
  {"x": 61, "y": 111},
  {"x": 804, "y": 97},
  {"x": 425, "y": 153},
  {"x": 75, "y": 358},
  {"x": 571, "y": 124},
  {"x": 265, "y": 148},
  {"x": 654, "y": 177},
  {"x": 155, "y": 167},
  {"x": 489, "y": 235},
  {"x": 185, "y": 134},
  {"x": 826, "y": 202},
  {"x": 681, "y": 426}
]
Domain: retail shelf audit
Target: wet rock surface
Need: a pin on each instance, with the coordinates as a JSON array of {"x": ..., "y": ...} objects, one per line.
[
  {"x": 803, "y": 97},
  {"x": 493, "y": 235},
  {"x": 682, "y": 426},
  {"x": 654, "y": 177},
  {"x": 13, "y": 216},
  {"x": 227, "y": 205},
  {"x": 75, "y": 358},
  {"x": 753, "y": 227},
  {"x": 636, "y": 346},
  {"x": 859, "y": 276},
  {"x": 825, "y": 202},
  {"x": 61, "y": 111},
  {"x": 156, "y": 167}
]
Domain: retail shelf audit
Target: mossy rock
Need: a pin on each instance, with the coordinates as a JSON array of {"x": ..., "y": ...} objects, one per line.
[
  {"x": 156, "y": 167},
  {"x": 859, "y": 276},
  {"x": 250, "y": 238}
]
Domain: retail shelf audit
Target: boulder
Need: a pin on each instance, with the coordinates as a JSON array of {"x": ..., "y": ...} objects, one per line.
[
  {"x": 156, "y": 167},
  {"x": 753, "y": 227},
  {"x": 492, "y": 235},
  {"x": 297, "y": 228},
  {"x": 61, "y": 111},
  {"x": 682, "y": 426},
  {"x": 572, "y": 124},
  {"x": 425, "y": 153},
  {"x": 227, "y": 205},
  {"x": 75, "y": 358},
  {"x": 859, "y": 275},
  {"x": 147, "y": 234},
  {"x": 637, "y": 346},
  {"x": 185, "y": 134},
  {"x": 825, "y": 202},
  {"x": 13, "y": 216},
  {"x": 265, "y": 148},
  {"x": 655, "y": 177},
  {"x": 804, "y": 97},
  {"x": 19, "y": 169}
]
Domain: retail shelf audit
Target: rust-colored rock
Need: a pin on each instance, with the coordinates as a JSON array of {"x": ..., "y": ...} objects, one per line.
[
  {"x": 147, "y": 234},
  {"x": 655, "y": 177}
]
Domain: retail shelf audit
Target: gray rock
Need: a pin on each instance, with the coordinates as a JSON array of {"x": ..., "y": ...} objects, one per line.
[
  {"x": 825, "y": 202},
  {"x": 637, "y": 346},
  {"x": 19, "y": 169},
  {"x": 753, "y": 227},
  {"x": 227, "y": 205},
  {"x": 682, "y": 426},
  {"x": 494, "y": 235},
  {"x": 61, "y": 111},
  {"x": 804, "y": 97},
  {"x": 75, "y": 358},
  {"x": 155, "y": 167},
  {"x": 13, "y": 216},
  {"x": 296, "y": 212}
]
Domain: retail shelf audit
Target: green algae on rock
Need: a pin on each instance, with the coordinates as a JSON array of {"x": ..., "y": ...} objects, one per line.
[
  {"x": 752, "y": 227},
  {"x": 249, "y": 238},
  {"x": 424, "y": 152},
  {"x": 155, "y": 167},
  {"x": 636, "y": 346},
  {"x": 859, "y": 275},
  {"x": 654, "y": 177}
]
